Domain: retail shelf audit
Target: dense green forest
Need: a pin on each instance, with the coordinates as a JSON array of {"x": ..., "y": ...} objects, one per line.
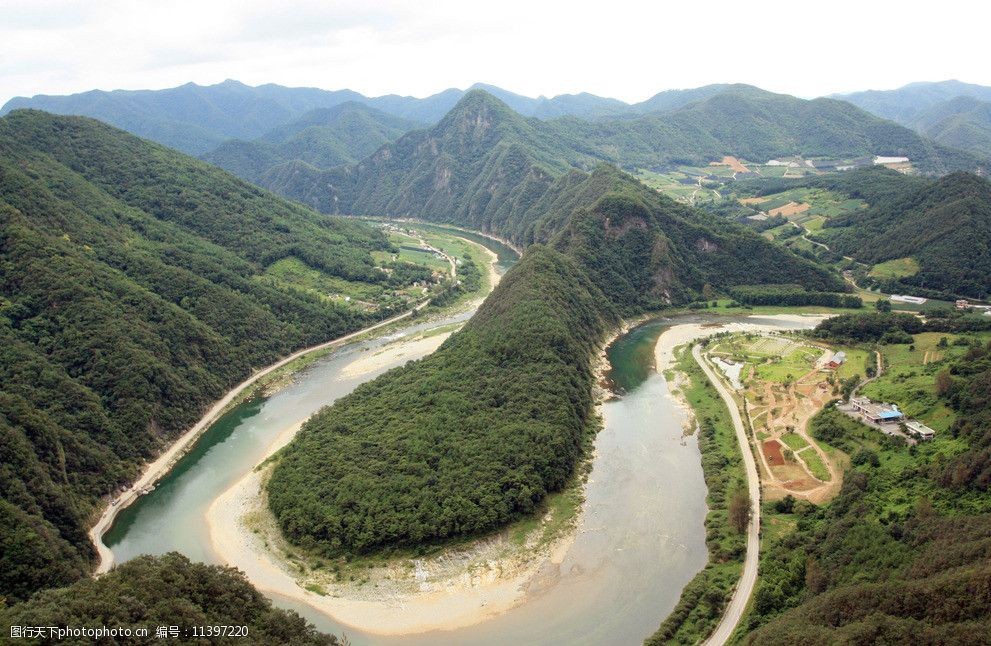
[
  {"x": 322, "y": 138},
  {"x": 462, "y": 441},
  {"x": 963, "y": 122},
  {"x": 945, "y": 225},
  {"x": 901, "y": 556},
  {"x": 130, "y": 299},
  {"x": 791, "y": 295},
  {"x": 646, "y": 251},
  {"x": 149, "y": 592}
]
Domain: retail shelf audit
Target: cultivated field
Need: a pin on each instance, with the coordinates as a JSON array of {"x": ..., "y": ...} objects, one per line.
[{"x": 783, "y": 387}]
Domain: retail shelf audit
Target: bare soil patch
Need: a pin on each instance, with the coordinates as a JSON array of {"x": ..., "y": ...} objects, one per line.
[
  {"x": 772, "y": 449},
  {"x": 790, "y": 209}
]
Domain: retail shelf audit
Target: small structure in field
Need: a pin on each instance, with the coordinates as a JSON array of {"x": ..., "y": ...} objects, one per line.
[
  {"x": 920, "y": 430},
  {"x": 883, "y": 161},
  {"x": 877, "y": 413},
  {"x": 901, "y": 298},
  {"x": 962, "y": 303},
  {"x": 837, "y": 360}
]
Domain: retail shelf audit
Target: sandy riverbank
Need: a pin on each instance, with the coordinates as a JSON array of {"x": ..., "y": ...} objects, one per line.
[
  {"x": 462, "y": 587},
  {"x": 678, "y": 335}
]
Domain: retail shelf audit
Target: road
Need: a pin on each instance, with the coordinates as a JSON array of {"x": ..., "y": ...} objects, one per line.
[
  {"x": 161, "y": 466},
  {"x": 745, "y": 587}
]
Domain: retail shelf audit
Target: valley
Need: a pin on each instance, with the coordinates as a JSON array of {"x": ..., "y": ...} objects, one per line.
[{"x": 474, "y": 367}]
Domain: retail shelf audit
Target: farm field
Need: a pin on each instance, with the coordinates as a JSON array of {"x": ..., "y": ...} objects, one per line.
[
  {"x": 897, "y": 268},
  {"x": 294, "y": 273},
  {"x": 783, "y": 388}
]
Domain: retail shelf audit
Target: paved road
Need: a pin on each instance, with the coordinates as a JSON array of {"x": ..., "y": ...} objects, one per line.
[{"x": 745, "y": 587}]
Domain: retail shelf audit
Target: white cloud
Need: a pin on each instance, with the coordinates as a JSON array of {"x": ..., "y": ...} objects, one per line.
[{"x": 622, "y": 48}]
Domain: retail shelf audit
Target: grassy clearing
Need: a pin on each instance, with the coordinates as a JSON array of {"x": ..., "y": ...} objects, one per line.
[
  {"x": 815, "y": 464},
  {"x": 897, "y": 268},
  {"x": 782, "y": 369},
  {"x": 794, "y": 441},
  {"x": 702, "y": 601},
  {"x": 856, "y": 362},
  {"x": 910, "y": 372}
]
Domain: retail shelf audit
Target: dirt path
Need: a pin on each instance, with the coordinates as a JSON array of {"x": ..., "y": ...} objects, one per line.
[{"x": 745, "y": 587}]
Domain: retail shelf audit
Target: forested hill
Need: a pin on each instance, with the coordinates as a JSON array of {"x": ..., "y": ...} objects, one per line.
[
  {"x": 463, "y": 441},
  {"x": 963, "y": 122},
  {"x": 322, "y": 138},
  {"x": 943, "y": 225},
  {"x": 149, "y": 592},
  {"x": 907, "y": 103},
  {"x": 646, "y": 251},
  {"x": 131, "y": 297},
  {"x": 482, "y": 166}
]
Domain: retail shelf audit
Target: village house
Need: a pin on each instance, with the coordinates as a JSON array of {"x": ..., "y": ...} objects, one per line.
[
  {"x": 920, "y": 430},
  {"x": 836, "y": 361},
  {"x": 902, "y": 298},
  {"x": 877, "y": 413}
]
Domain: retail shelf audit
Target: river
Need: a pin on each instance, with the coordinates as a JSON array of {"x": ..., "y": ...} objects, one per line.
[{"x": 641, "y": 537}]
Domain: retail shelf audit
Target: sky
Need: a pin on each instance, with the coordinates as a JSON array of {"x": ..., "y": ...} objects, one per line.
[{"x": 618, "y": 48}]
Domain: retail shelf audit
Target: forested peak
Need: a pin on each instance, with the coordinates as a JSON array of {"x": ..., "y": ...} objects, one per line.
[
  {"x": 477, "y": 113},
  {"x": 962, "y": 184}
]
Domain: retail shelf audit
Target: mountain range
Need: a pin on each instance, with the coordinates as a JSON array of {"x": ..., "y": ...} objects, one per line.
[
  {"x": 487, "y": 167},
  {"x": 197, "y": 119},
  {"x": 322, "y": 138},
  {"x": 951, "y": 113}
]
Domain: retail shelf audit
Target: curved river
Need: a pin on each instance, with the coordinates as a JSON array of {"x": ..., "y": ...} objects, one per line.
[{"x": 640, "y": 540}]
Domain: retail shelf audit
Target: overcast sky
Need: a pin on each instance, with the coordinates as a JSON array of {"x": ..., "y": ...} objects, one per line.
[{"x": 619, "y": 48}]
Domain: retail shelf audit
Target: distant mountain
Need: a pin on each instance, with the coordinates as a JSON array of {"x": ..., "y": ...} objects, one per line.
[
  {"x": 196, "y": 119},
  {"x": 943, "y": 225},
  {"x": 963, "y": 122},
  {"x": 132, "y": 295},
  {"x": 750, "y": 123},
  {"x": 481, "y": 165},
  {"x": 191, "y": 118},
  {"x": 907, "y": 103},
  {"x": 674, "y": 99},
  {"x": 322, "y": 138}
]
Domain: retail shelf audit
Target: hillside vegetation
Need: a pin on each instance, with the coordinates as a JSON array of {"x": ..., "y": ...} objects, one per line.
[
  {"x": 149, "y": 592},
  {"x": 460, "y": 442},
  {"x": 131, "y": 296},
  {"x": 945, "y": 225},
  {"x": 901, "y": 556},
  {"x": 963, "y": 122},
  {"x": 322, "y": 138}
]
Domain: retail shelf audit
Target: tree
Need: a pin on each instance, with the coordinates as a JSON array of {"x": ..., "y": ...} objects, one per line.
[
  {"x": 739, "y": 511},
  {"x": 883, "y": 305},
  {"x": 943, "y": 382}
]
